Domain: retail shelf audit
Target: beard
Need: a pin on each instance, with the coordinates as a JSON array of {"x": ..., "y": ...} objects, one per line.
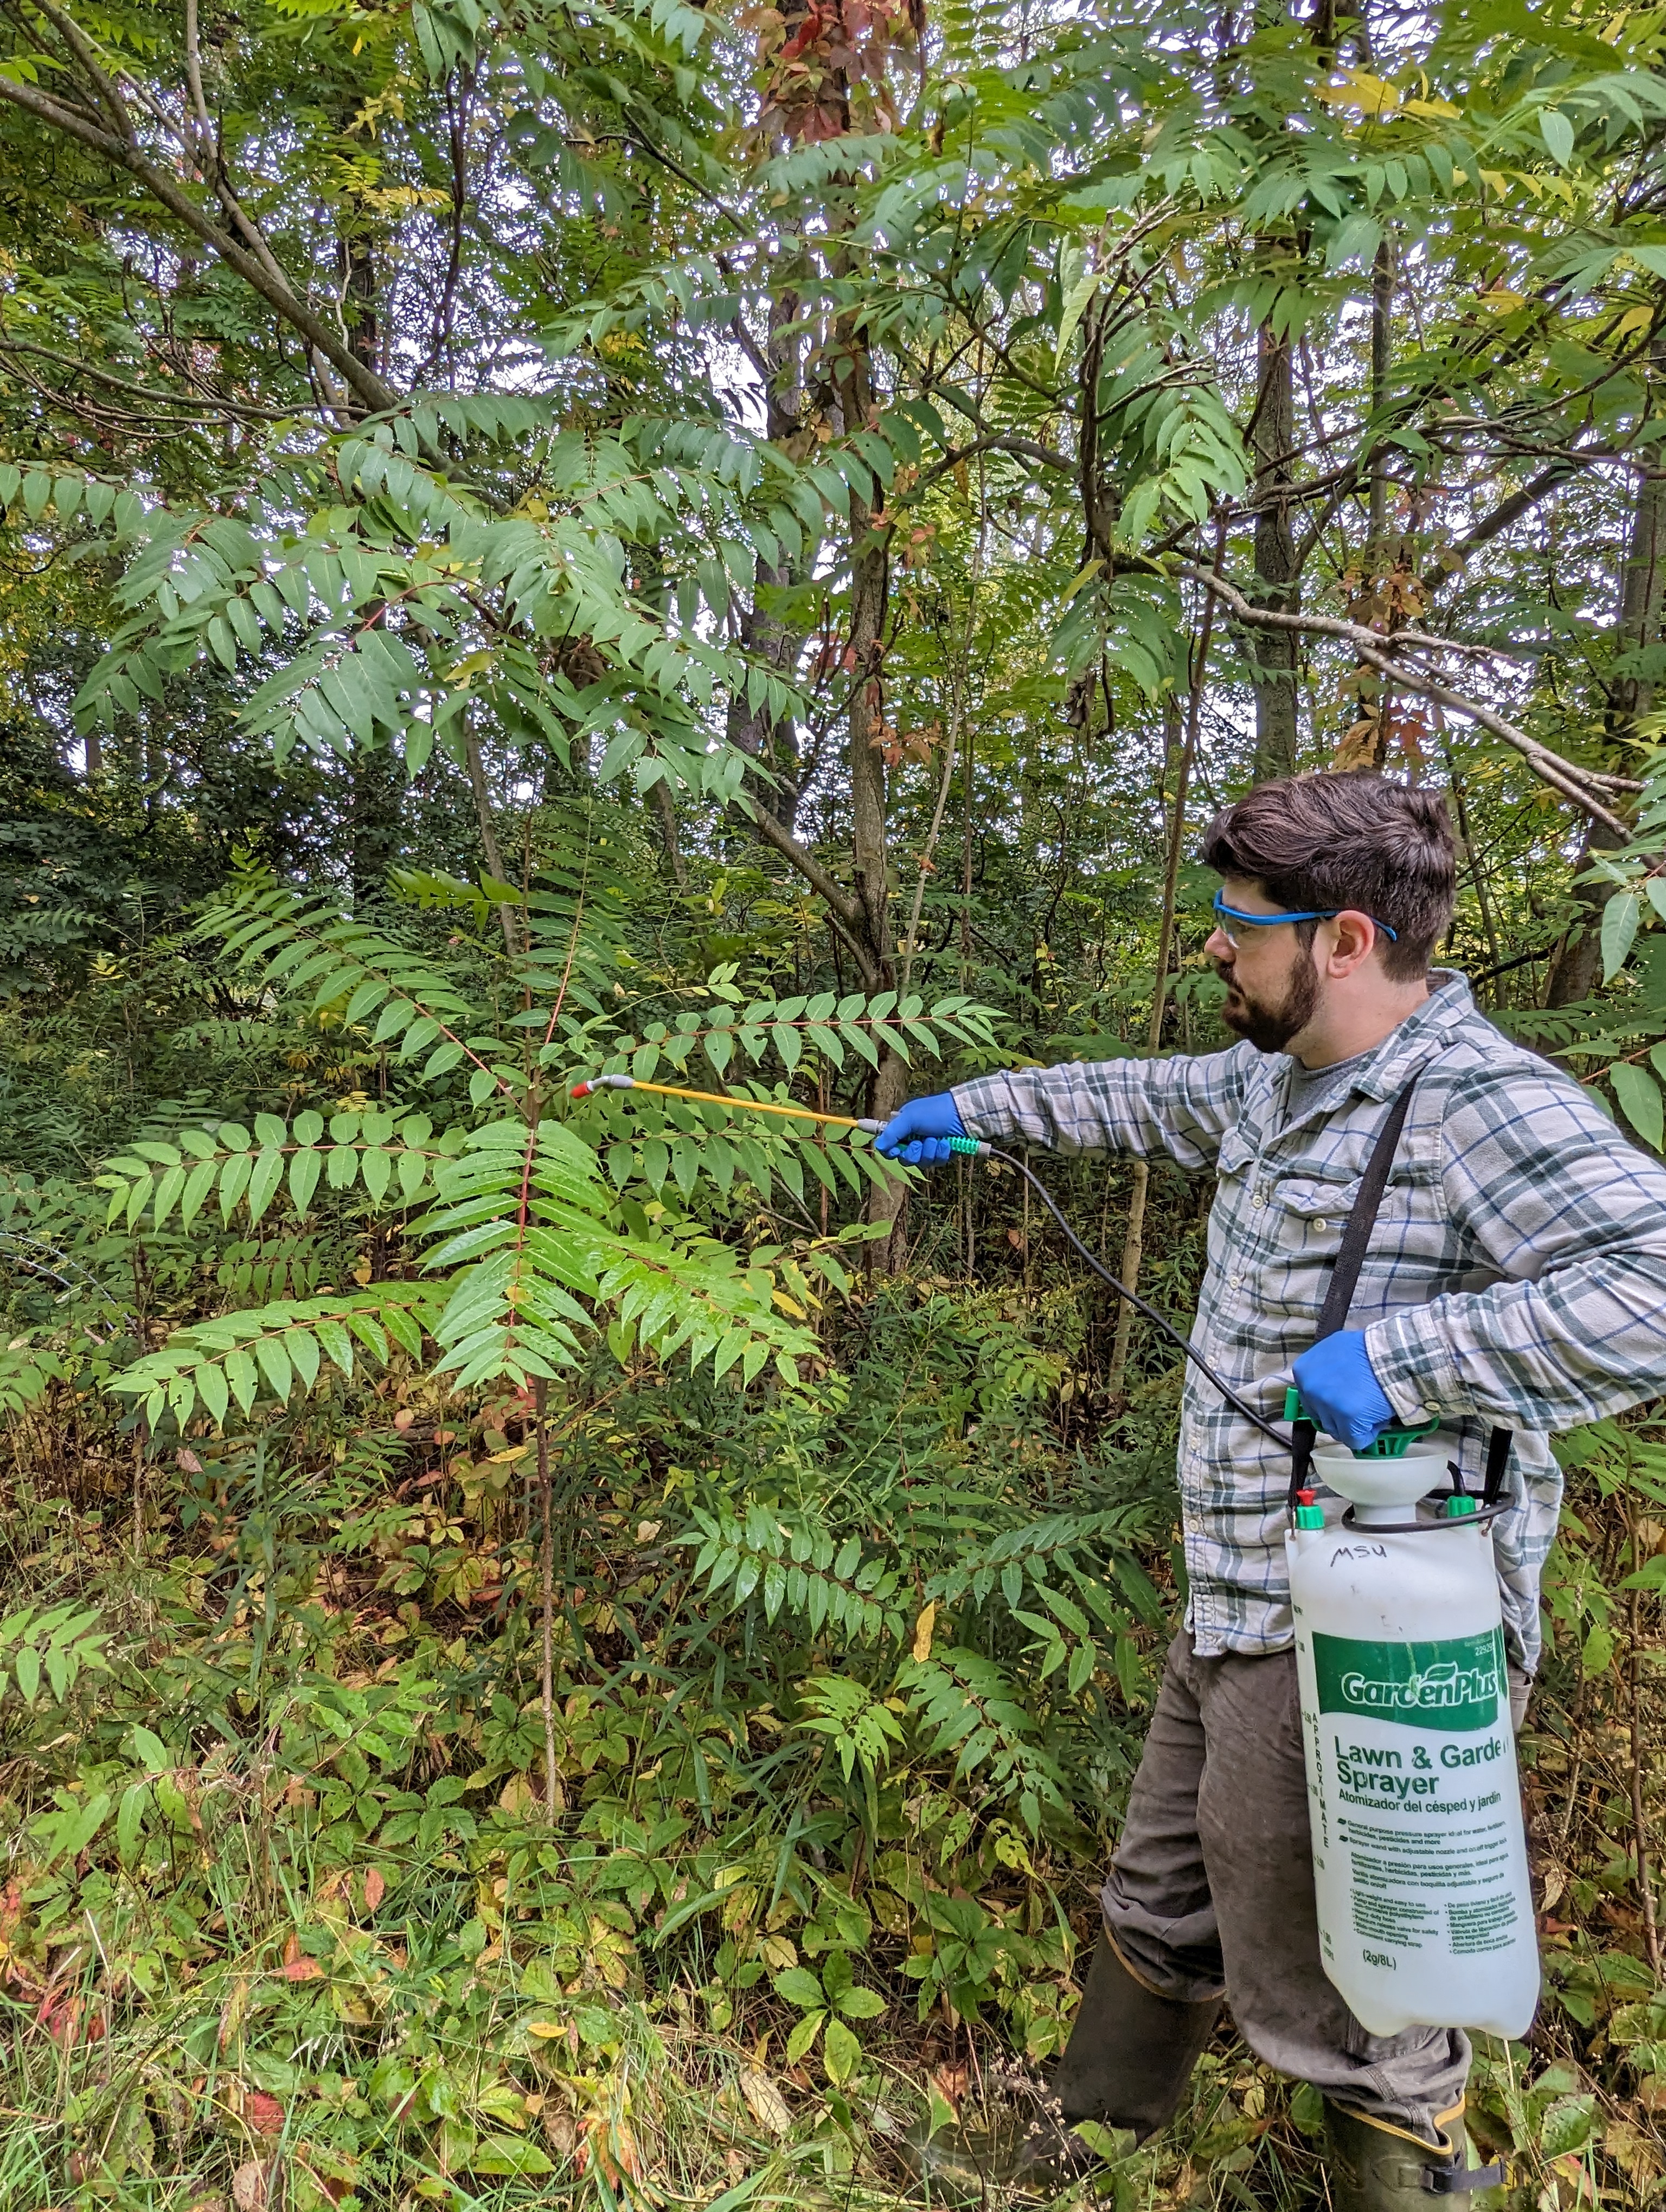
[{"x": 1269, "y": 1025}]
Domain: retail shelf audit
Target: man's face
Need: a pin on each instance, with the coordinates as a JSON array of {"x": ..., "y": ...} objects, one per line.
[{"x": 1271, "y": 978}]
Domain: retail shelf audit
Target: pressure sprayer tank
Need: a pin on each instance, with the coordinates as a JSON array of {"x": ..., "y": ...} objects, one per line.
[{"x": 1425, "y": 1917}]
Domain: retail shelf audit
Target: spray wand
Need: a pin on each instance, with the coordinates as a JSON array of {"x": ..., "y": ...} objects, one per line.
[
  {"x": 872, "y": 1129},
  {"x": 971, "y": 1148}
]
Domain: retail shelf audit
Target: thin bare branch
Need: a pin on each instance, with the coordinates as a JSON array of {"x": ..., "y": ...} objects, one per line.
[
  {"x": 269, "y": 282},
  {"x": 1579, "y": 785},
  {"x": 203, "y": 133},
  {"x": 104, "y": 87},
  {"x": 847, "y": 911},
  {"x": 208, "y": 402}
]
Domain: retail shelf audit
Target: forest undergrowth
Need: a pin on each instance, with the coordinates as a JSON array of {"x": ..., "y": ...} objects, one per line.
[{"x": 320, "y": 1894}]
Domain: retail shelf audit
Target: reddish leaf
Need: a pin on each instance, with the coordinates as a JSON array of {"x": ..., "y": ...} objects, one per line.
[
  {"x": 263, "y": 2114},
  {"x": 297, "y": 1968}
]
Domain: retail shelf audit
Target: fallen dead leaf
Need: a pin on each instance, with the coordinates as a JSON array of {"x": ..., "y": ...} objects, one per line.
[
  {"x": 769, "y": 2107},
  {"x": 248, "y": 2186},
  {"x": 517, "y": 1796},
  {"x": 951, "y": 2082}
]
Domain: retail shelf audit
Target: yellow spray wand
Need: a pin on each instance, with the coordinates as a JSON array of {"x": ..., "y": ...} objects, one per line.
[
  {"x": 977, "y": 1148},
  {"x": 719, "y": 1098}
]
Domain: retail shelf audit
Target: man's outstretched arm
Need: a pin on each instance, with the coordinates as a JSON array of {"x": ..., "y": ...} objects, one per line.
[{"x": 1182, "y": 1106}]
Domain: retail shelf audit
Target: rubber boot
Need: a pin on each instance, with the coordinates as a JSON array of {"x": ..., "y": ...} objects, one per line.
[
  {"x": 1377, "y": 2169},
  {"x": 1127, "y": 2066},
  {"x": 1131, "y": 2052}
]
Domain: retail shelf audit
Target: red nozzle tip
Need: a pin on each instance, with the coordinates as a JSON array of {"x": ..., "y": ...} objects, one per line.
[
  {"x": 579, "y": 1090},
  {"x": 1304, "y": 1498}
]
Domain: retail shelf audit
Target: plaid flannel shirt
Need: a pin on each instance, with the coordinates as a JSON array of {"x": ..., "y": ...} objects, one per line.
[{"x": 1516, "y": 1273}]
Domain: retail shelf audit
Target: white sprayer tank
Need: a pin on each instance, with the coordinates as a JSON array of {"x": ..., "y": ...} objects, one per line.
[{"x": 1425, "y": 1915}]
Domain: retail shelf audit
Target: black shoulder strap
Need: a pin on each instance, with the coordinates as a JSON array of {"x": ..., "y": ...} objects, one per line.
[
  {"x": 1498, "y": 1458},
  {"x": 1344, "y": 1273},
  {"x": 1362, "y": 1218},
  {"x": 1344, "y": 1281}
]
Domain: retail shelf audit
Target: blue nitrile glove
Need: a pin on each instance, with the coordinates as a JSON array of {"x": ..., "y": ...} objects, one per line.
[
  {"x": 920, "y": 1133},
  {"x": 1340, "y": 1393}
]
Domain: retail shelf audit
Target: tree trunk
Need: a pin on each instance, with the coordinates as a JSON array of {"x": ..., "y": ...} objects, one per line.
[
  {"x": 374, "y": 808},
  {"x": 870, "y": 846},
  {"x": 1382, "y": 343},
  {"x": 1642, "y": 592},
  {"x": 1186, "y": 749},
  {"x": 1577, "y": 969},
  {"x": 774, "y": 738},
  {"x": 1273, "y": 653},
  {"x": 360, "y": 297},
  {"x": 490, "y": 852},
  {"x": 665, "y": 808}
]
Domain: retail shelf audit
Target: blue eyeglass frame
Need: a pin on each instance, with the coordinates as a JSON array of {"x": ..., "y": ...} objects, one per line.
[{"x": 1224, "y": 914}]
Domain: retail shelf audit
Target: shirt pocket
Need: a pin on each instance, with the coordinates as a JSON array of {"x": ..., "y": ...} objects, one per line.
[{"x": 1313, "y": 1210}]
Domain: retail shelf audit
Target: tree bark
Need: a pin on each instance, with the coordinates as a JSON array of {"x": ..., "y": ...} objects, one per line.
[
  {"x": 490, "y": 851},
  {"x": 870, "y": 846},
  {"x": 772, "y": 739},
  {"x": 1577, "y": 969},
  {"x": 1273, "y": 653},
  {"x": 665, "y": 807},
  {"x": 1134, "y": 1236}
]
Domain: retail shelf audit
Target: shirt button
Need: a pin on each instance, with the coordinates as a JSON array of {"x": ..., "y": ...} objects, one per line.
[{"x": 1321, "y": 1226}]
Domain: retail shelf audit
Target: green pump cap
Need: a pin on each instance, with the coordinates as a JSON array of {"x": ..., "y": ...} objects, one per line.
[
  {"x": 1460, "y": 1509},
  {"x": 1393, "y": 1441}
]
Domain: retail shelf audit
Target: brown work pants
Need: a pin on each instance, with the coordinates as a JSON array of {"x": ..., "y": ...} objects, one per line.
[{"x": 1210, "y": 1891}]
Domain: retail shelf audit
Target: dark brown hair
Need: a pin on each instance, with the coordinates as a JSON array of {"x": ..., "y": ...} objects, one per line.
[{"x": 1354, "y": 840}]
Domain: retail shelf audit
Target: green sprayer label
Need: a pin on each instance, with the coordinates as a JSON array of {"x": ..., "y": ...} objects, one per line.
[{"x": 1454, "y": 1685}]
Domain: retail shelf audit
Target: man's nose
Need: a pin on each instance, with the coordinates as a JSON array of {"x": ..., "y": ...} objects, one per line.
[{"x": 1218, "y": 945}]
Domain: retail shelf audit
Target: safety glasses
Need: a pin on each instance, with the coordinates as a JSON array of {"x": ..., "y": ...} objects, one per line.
[{"x": 1232, "y": 919}]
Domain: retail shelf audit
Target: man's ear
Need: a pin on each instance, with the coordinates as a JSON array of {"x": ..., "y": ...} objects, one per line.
[{"x": 1353, "y": 939}]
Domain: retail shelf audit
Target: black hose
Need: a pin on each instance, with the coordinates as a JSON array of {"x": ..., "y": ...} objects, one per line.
[{"x": 1140, "y": 1306}]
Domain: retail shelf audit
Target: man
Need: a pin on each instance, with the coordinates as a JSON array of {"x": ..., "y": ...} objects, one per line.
[{"x": 1515, "y": 1276}]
